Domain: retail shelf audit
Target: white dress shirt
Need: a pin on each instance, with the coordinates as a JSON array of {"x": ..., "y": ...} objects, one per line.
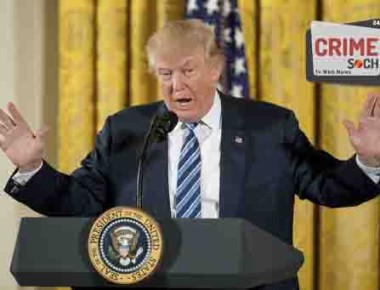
[{"x": 208, "y": 133}]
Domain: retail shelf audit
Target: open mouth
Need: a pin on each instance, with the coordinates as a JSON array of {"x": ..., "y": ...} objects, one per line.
[{"x": 183, "y": 102}]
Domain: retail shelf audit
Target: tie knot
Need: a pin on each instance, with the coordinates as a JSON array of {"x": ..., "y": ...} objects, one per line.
[{"x": 191, "y": 126}]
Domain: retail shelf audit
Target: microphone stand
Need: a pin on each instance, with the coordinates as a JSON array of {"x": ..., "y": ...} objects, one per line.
[
  {"x": 139, "y": 183},
  {"x": 141, "y": 163},
  {"x": 159, "y": 128}
]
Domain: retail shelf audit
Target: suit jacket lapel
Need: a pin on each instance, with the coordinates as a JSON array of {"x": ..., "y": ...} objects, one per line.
[{"x": 232, "y": 157}]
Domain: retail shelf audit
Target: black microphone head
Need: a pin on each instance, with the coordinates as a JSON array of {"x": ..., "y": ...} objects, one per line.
[
  {"x": 172, "y": 121},
  {"x": 163, "y": 125}
]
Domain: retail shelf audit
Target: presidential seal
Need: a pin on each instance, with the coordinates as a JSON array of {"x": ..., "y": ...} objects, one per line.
[{"x": 125, "y": 245}]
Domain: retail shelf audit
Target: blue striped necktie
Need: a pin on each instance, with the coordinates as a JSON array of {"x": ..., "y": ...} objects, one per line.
[{"x": 188, "y": 196}]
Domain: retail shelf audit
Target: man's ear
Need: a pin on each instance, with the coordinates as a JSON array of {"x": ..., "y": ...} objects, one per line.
[{"x": 217, "y": 65}]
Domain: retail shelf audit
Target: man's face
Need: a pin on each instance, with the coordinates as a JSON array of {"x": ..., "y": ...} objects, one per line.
[{"x": 187, "y": 83}]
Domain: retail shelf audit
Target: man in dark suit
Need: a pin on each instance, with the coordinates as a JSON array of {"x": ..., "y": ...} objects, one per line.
[{"x": 247, "y": 158}]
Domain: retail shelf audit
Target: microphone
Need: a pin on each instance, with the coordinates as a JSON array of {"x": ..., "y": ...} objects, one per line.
[{"x": 160, "y": 126}]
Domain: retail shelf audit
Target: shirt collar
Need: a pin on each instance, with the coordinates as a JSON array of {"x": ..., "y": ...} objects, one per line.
[{"x": 211, "y": 119}]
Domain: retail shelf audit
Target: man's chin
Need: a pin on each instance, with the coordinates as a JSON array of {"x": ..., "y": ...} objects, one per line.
[{"x": 187, "y": 117}]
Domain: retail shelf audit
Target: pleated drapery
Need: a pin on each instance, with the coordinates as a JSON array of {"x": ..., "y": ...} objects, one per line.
[{"x": 103, "y": 66}]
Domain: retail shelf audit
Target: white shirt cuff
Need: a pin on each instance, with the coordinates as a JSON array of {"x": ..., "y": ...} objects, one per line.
[
  {"x": 371, "y": 172},
  {"x": 24, "y": 177}
]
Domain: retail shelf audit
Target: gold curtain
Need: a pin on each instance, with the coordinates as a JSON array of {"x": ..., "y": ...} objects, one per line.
[
  {"x": 282, "y": 81},
  {"x": 76, "y": 81},
  {"x": 144, "y": 87},
  {"x": 349, "y": 238},
  {"x": 111, "y": 58},
  {"x": 103, "y": 68}
]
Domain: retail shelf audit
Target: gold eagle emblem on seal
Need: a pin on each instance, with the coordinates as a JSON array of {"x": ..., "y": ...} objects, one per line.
[{"x": 125, "y": 245}]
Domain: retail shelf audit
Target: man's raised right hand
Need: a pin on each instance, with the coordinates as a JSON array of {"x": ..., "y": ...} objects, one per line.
[{"x": 20, "y": 145}]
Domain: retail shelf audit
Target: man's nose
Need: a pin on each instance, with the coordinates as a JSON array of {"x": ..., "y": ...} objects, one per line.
[{"x": 178, "y": 82}]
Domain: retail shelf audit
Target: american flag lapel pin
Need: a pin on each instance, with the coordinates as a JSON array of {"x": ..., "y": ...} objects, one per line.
[{"x": 238, "y": 140}]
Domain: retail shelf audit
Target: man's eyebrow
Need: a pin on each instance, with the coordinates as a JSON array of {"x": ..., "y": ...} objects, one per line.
[{"x": 188, "y": 63}]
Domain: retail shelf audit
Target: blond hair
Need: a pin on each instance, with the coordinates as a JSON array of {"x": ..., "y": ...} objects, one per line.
[{"x": 183, "y": 36}]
